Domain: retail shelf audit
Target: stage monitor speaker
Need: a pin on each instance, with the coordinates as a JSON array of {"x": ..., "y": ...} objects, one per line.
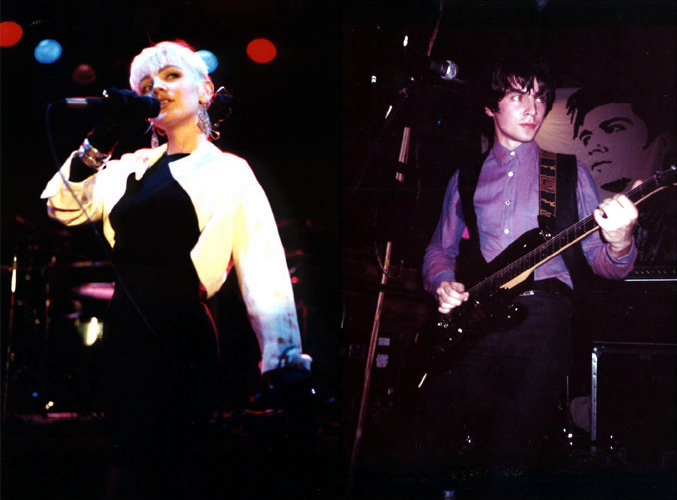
[
  {"x": 634, "y": 399},
  {"x": 634, "y": 310}
]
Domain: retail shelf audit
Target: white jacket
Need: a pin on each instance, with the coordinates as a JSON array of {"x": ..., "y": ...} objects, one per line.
[{"x": 237, "y": 227}]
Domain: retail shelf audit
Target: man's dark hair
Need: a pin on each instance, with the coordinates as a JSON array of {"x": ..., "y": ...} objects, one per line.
[
  {"x": 518, "y": 73},
  {"x": 587, "y": 98}
]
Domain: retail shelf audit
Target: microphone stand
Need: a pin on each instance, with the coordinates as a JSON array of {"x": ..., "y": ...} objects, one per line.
[
  {"x": 10, "y": 327},
  {"x": 403, "y": 157},
  {"x": 403, "y": 95}
]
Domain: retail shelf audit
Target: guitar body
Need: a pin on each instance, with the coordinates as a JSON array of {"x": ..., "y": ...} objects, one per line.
[
  {"x": 492, "y": 309},
  {"x": 450, "y": 335}
]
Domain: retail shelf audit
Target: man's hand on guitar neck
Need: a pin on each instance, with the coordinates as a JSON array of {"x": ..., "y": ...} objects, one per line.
[
  {"x": 450, "y": 294},
  {"x": 616, "y": 218}
]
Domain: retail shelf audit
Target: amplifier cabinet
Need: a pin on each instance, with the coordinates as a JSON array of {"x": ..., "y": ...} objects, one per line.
[{"x": 633, "y": 400}]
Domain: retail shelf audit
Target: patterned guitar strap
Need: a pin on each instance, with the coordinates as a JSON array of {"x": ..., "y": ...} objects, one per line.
[{"x": 547, "y": 181}]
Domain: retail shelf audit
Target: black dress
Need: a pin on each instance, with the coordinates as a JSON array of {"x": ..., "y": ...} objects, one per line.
[{"x": 160, "y": 344}]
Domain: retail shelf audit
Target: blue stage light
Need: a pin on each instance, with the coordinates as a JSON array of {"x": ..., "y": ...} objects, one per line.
[
  {"x": 47, "y": 51},
  {"x": 210, "y": 60}
]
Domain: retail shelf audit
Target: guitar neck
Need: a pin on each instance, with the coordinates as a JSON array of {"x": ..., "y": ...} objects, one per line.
[{"x": 519, "y": 269}]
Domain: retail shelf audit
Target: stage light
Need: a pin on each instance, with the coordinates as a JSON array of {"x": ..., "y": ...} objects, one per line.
[
  {"x": 10, "y": 33},
  {"x": 47, "y": 51},
  {"x": 93, "y": 331},
  {"x": 84, "y": 74},
  {"x": 261, "y": 50},
  {"x": 210, "y": 60},
  {"x": 13, "y": 279}
]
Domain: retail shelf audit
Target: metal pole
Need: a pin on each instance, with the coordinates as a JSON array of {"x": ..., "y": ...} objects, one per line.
[
  {"x": 10, "y": 328},
  {"x": 368, "y": 367}
]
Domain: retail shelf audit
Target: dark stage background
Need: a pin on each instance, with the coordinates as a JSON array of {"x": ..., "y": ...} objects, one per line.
[{"x": 388, "y": 196}]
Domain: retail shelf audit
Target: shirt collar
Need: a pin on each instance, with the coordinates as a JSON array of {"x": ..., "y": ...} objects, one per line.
[{"x": 523, "y": 152}]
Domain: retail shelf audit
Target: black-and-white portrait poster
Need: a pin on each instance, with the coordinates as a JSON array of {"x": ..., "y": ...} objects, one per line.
[{"x": 622, "y": 131}]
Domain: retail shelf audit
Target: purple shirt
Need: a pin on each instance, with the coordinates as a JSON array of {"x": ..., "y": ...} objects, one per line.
[{"x": 507, "y": 204}]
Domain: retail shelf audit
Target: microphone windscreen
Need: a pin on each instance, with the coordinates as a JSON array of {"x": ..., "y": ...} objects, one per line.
[{"x": 146, "y": 106}]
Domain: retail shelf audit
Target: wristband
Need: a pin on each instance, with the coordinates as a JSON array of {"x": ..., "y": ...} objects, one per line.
[{"x": 91, "y": 156}]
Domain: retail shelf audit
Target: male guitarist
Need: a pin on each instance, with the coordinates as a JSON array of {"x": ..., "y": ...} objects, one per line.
[{"x": 508, "y": 381}]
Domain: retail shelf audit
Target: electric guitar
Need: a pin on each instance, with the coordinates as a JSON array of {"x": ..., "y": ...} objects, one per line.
[{"x": 490, "y": 305}]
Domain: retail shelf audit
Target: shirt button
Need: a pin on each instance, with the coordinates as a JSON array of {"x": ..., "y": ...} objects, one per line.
[
  {"x": 506, "y": 230},
  {"x": 510, "y": 174},
  {"x": 507, "y": 202},
  {"x": 512, "y": 153}
]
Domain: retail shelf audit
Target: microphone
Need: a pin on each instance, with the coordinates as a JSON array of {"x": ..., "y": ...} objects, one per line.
[
  {"x": 447, "y": 70},
  {"x": 131, "y": 104}
]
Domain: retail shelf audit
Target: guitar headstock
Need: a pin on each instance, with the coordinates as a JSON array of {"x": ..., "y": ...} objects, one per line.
[
  {"x": 667, "y": 177},
  {"x": 657, "y": 182}
]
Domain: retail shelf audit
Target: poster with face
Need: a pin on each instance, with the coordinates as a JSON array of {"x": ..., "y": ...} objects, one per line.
[
  {"x": 621, "y": 137},
  {"x": 614, "y": 143}
]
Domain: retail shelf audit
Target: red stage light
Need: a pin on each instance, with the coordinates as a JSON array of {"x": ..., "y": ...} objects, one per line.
[
  {"x": 261, "y": 50},
  {"x": 10, "y": 33},
  {"x": 84, "y": 74}
]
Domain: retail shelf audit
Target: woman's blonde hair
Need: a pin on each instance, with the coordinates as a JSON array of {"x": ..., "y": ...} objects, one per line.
[{"x": 163, "y": 54}]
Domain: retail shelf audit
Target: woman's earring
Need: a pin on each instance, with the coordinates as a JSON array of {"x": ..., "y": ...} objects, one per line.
[
  {"x": 203, "y": 122},
  {"x": 154, "y": 141}
]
